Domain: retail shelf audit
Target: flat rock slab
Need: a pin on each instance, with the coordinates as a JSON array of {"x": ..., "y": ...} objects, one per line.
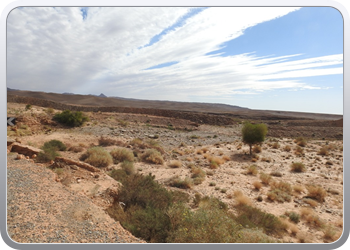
[{"x": 23, "y": 149}]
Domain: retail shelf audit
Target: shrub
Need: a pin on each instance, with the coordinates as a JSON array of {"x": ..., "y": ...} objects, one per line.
[
  {"x": 28, "y": 107},
  {"x": 253, "y": 133},
  {"x": 73, "y": 119},
  {"x": 152, "y": 156},
  {"x": 257, "y": 149},
  {"x": 128, "y": 167},
  {"x": 280, "y": 192},
  {"x": 241, "y": 199},
  {"x": 122, "y": 154},
  {"x": 205, "y": 225},
  {"x": 298, "y": 167},
  {"x": 309, "y": 216},
  {"x": 317, "y": 193},
  {"x": 252, "y": 170},
  {"x": 293, "y": 216},
  {"x": 175, "y": 164},
  {"x": 311, "y": 202},
  {"x": 287, "y": 148},
  {"x": 97, "y": 156},
  {"x": 254, "y": 217},
  {"x": 58, "y": 145},
  {"x": 198, "y": 175},
  {"x": 300, "y": 141},
  {"x": 299, "y": 150},
  {"x": 323, "y": 151},
  {"x": 104, "y": 141},
  {"x": 48, "y": 154},
  {"x": 275, "y": 145},
  {"x": 50, "y": 111},
  {"x": 257, "y": 185},
  {"x": 298, "y": 188},
  {"x": 176, "y": 181},
  {"x": 276, "y": 174},
  {"x": 265, "y": 178}
]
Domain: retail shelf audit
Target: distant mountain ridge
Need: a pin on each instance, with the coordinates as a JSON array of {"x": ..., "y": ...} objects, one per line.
[
  {"x": 103, "y": 100},
  {"x": 209, "y": 108}
]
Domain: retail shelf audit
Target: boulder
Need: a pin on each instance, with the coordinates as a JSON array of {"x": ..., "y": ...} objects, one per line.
[
  {"x": 23, "y": 149},
  {"x": 77, "y": 163}
]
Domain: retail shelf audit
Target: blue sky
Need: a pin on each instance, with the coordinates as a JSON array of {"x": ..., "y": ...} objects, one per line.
[{"x": 271, "y": 58}]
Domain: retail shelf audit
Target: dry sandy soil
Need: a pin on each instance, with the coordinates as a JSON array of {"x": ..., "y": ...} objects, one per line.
[{"x": 193, "y": 147}]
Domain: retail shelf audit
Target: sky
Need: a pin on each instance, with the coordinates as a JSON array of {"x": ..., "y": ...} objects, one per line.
[{"x": 267, "y": 58}]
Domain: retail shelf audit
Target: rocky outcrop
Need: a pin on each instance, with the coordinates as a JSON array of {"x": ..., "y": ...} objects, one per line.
[
  {"x": 77, "y": 163},
  {"x": 13, "y": 146}
]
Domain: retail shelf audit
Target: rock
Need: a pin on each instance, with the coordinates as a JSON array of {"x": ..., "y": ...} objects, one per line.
[
  {"x": 153, "y": 136},
  {"x": 25, "y": 150},
  {"x": 329, "y": 211},
  {"x": 34, "y": 156},
  {"x": 78, "y": 163},
  {"x": 19, "y": 157}
]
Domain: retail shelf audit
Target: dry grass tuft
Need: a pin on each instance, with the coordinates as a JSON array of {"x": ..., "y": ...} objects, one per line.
[
  {"x": 298, "y": 188},
  {"x": 317, "y": 193},
  {"x": 122, "y": 154},
  {"x": 241, "y": 199},
  {"x": 252, "y": 170},
  {"x": 257, "y": 149},
  {"x": 297, "y": 167},
  {"x": 257, "y": 185},
  {"x": 265, "y": 178},
  {"x": 175, "y": 164},
  {"x": 311, "y": 202},
  {"x": 152, "y": 156}
]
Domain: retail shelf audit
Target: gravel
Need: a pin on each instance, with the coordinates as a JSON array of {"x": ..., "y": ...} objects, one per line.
[{"x": 41, "y": 210}]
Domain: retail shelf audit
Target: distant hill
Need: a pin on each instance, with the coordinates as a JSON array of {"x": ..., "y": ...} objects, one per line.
[
  {"x": 104, "y": 101},
  {"x": 209, "y": 108}
]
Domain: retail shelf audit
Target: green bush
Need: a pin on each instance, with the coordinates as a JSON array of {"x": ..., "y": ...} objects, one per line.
[
  {"x": 253, "y": 133},
  {"x": 97, "y": 156},
  {"x": 122, "y": 154},
  {"x": 48, "y": 154},
  {"x": 73, "y": 119},
  {"x": 58, "y": 145},
  {"x": 128, "y": 167},
  {"x": 253, "y": 217}
]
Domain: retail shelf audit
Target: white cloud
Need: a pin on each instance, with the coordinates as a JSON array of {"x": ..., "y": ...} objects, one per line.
[{"x": 54, "y": 49}]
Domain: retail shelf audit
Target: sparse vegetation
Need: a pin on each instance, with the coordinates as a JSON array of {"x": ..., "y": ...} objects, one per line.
[
  {"x": 252, "y": 170},
  {"x": 152, "y": 156},
  {"x": 97, "y": 156},
  {"x": 122, "y": 154},
  {"x": 175, "y": 164},
  {"x": 316, "y": 192},
  {"x": 73, "y": 119},
  {"x": 265, "y": 178},
  {"x": 298, "y": 167}
]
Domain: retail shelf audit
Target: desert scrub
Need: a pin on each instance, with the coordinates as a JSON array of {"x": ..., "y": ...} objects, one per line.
[
  {"x": 255, "y": 218},
  {"x": 311, "y": 202},
  {"x": 104, "y": 142},
  {"x": 280, "y": 191},
  {"x": 128, "y": 167},
  {"x": 300, "y": 141},
  {"x": 205, "y": 225},
  {"x": 176, "y": 181},
  {"x": 311, "y": 218},
  {"x": 147, "y": 204},
  {"x": 122, "y": 154},
  {"x": 297, "y": 167},
  {"x": 265, "y": 178},
  {"x": 97, "y": 157},
  {"x": 316, "y": 193},
  {"x": 299, "y": 151},
  {"x": 293, "y": 216},
  {"x": 252, "y": 170},
  {"x": 198, "y": 175},
  {"x": 175, "y": 164},
  {"x": 50, "y": 149},
  {"x": 257, "y": 185},
  {"x": 48, "y": 154},
  {"x": 276, "y": 174},
  {"x": 72, "y": 119},
  {"x": 58, "y": 145},
  {"x": 152, "y": 156},
  {"x": 287, "y": 148},
  {"x": 241, "y": 199},
  {"x": 257, "y": 149},
  {"x": 275, "y": 145}
]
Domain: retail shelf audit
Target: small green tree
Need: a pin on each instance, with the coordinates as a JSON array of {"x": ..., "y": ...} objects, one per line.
[
  {"x": 73, "y": 119},
  {"x": 253, "y": 133}
]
